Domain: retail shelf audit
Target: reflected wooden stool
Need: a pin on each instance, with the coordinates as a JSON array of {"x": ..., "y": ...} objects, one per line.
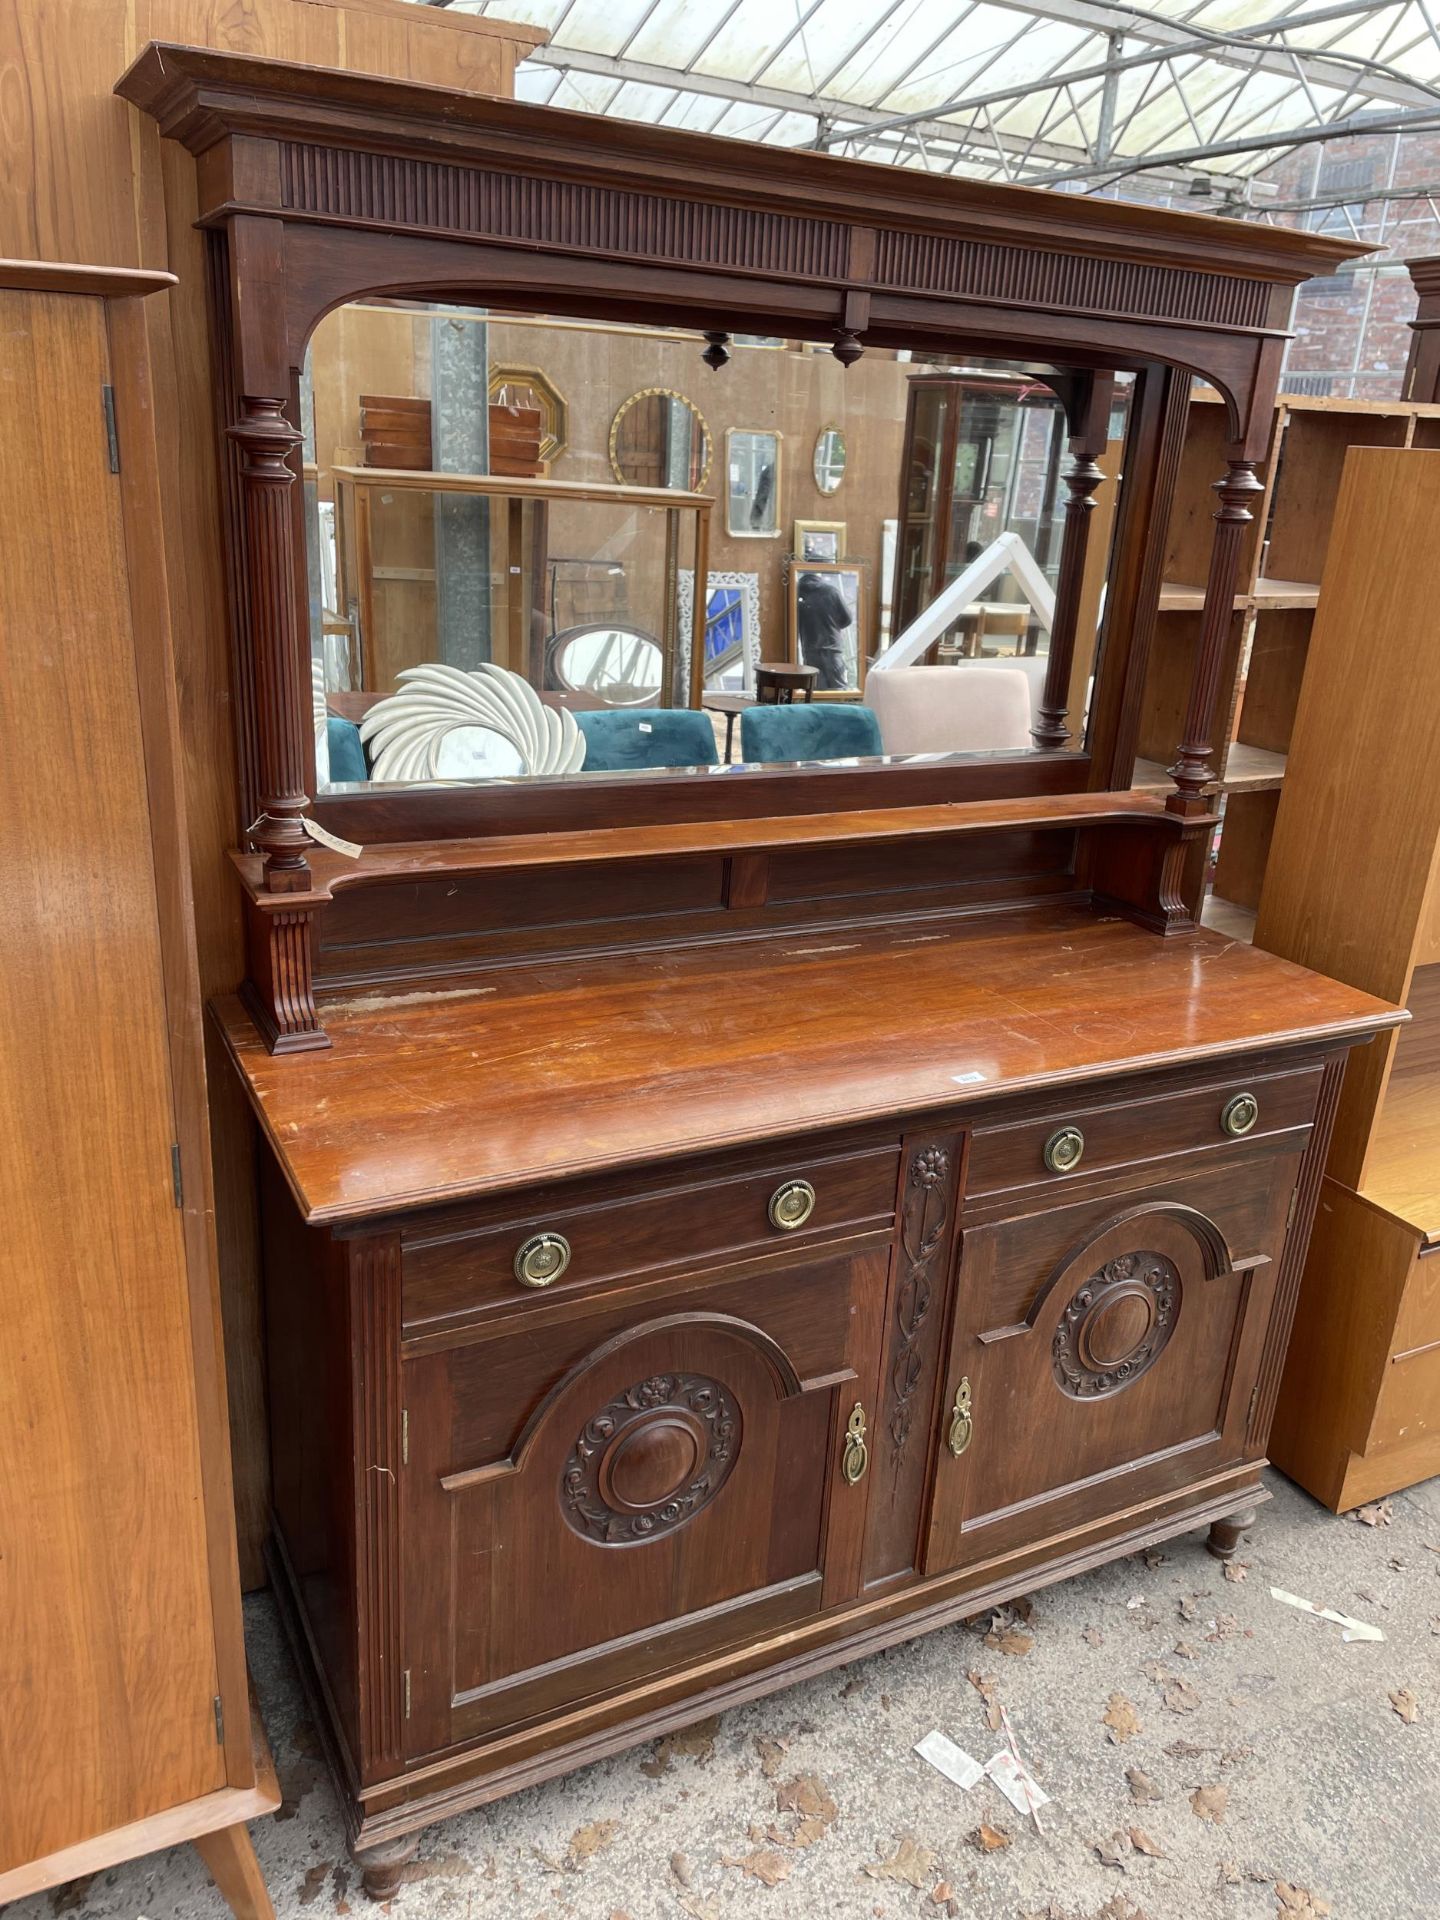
[
  {"x": 779, "y": 684},
  {"x": 731, "y": 705}
]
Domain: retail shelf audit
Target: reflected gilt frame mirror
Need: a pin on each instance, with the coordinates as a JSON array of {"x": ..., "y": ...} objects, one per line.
[{"x": 655, "y": 448}]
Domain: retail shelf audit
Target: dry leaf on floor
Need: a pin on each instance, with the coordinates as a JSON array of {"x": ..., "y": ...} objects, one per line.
[
  {"x": 910, "y": 1862},
  {"x": 1236, "y": 1570},
  {"x": 767, "y": 1867},
  {"x": 1142, "y": 1843},
  {"x": 1112, "y": 1852},
  {"x": 589, "y": 1840},
  {"x": 1209, "y": 1803},
  {"x": 988, "y": 1839},
  {"x": 986, "y": 1687},
  {"x": 772, "y": 1755},
  {"x": 1011, "y": 1641},
  {"x": 1093, "y": 1637},
  {"x": 1190, "y": 1606},
  {"x": 700, "y": 1906},
  {"x": 1224, "y": 1627},
  {"x": 1142, "y": 1787},
  {"x": 695, "y": 1743},
  {"x": 681, "y": 1869},
  {"x": 1406, "y": 1705},
  {"x": 1185, "y": 1750},
  {"x": 1185, "y": 1651},
  {"x": 315, "y": 1878},
  {"x": 1179, "y": 1696},
  {"x": 807, "y": 1794},
  {"x": 1376, "y": 1514},
  {"x": 1299, "y": 1900},
  {"x": 1154, "y": 1559},
  {"x": 1120, "y": 1717}
]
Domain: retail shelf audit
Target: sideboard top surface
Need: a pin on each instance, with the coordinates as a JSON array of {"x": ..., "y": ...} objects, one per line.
[{"x": 570, "y": 1067}]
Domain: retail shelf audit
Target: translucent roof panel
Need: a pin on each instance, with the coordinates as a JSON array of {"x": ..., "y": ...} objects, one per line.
[{"x": 1083, "y": 93}]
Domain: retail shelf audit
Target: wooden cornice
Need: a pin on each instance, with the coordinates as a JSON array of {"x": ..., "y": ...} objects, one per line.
[{"x": 199, "y": 97}]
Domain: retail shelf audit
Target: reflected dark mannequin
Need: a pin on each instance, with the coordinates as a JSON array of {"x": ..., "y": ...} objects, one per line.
[{"x": 822, "y": 616}]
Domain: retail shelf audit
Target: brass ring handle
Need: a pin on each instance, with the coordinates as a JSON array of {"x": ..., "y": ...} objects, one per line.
[
  {"x": 791, "y": 1205},
  {"x": 1063, "y": 1150},
  {"x": 1239, "y": 1114},
  {"x": 856, "y": 1457},
  {"x": 542, "y": 1259},
  {"x": 962, "y": 1421}
]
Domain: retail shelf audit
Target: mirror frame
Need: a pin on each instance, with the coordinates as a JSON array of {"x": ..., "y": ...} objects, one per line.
[
  {"x": 777, "y": 532},
  {"x": 649, "y": 393},
  {"x": 319, "y": 187},
  {"x": 828, "y": 493}
]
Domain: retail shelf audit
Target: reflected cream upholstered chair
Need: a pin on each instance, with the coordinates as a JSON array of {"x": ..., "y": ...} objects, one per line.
[{"x": 947, "y": 710}]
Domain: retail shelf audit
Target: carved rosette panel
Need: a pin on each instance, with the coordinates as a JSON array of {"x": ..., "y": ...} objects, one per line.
[
  {"x": 651, "y": 1459},
  {"x": 1116, "y": 1326},
  {"x": 925, "y": 1215}
]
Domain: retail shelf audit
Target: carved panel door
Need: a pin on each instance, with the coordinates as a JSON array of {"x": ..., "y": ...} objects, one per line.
[
  {"x": 1104, "y": 1352},
  {"x": 611, "y": 1493}
]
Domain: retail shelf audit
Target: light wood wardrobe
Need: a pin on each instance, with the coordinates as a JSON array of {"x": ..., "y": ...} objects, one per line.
[{"x": 126, "y": 1724}]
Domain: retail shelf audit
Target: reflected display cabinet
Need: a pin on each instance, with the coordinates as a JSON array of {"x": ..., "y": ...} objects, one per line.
[{"x": 620, "y": 1369}]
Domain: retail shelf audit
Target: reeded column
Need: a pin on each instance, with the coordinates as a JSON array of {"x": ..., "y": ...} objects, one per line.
[
  {"x": 266, "y": 441},
  {"x": 1192, "y": 772},
  {"x": 1050, "y": 730}
]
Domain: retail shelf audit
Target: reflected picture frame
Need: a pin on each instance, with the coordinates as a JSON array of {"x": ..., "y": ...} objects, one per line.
[
  {"x": 819, "y": 541},
  {"x": 771, "y": 529},
  {"x": 851, "y": 579}
]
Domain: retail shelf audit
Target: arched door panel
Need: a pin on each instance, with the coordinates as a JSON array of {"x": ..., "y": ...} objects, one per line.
[
  {"x": 676, "y": 1485},
  {"x": 1129, "y": 1331}
]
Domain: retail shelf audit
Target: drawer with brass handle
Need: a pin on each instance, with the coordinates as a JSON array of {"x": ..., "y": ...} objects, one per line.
[
  {"x": 1070, "y": 1147},
  {"x": 605, "y": 1239}
]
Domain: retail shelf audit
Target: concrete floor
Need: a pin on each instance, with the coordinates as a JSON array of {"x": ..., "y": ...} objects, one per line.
[{"x": 1325, "y": 1801}]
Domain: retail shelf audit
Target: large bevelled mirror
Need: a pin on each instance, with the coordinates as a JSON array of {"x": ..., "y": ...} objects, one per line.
[{"x": 535, "y": 554}]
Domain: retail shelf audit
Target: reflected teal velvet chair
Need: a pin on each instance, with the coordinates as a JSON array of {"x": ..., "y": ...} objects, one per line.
[
  {"x": 822, "y": 730},
  {"x": 347, "y": 750},
  {"x": 618, "y": 738}
]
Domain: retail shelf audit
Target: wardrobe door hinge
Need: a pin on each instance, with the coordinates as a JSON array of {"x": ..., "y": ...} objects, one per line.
[
  {"x": 1250, "y": 1410},
  {"x": 219, "y": 1721},
  {"x": 407, "y": 1693},
  {"x": 1294, "y": 1203},
  {"x": 112, "y": 438},
  {"x": 404, "y": 1436},
  {"x": 177, "y": 1179}
]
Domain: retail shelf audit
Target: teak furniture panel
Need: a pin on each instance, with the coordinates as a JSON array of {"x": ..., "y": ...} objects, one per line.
[
  {"x": 1360, "y": 1411},
  {"x": 123, "y": 1622}
]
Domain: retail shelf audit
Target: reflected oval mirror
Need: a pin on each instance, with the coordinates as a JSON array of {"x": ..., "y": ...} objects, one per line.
[
  {"x": 621, "y": 666},
  {"x": 658, "y": 438},
  {"x": 829, "y": 463}
]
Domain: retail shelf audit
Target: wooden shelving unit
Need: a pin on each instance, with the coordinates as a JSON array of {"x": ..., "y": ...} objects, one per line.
[
  {"x": 1353, "y": 888},
  {"x": 1281, "y": 568}
]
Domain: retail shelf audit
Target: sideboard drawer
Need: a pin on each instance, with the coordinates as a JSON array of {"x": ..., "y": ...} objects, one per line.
[
  {"x": 574, "y": 1248},
  {"x": 1121, "y": 1133}
]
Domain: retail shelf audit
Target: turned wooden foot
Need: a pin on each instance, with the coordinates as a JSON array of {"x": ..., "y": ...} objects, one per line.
[
  {"x": 230, "y": 1858},
  {"x": 382, "y": 1868},
  {"x": 1226, "y": 1534}
]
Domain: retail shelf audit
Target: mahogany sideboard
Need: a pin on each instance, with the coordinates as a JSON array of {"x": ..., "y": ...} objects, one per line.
[{"x": 721, "y": 1221}]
